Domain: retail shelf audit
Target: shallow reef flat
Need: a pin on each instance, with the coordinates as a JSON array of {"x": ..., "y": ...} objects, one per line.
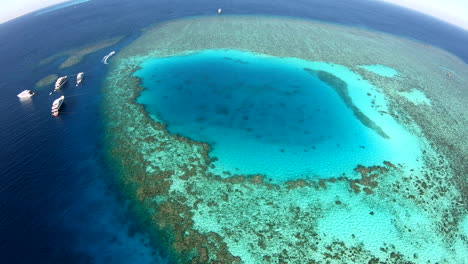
[
  {"x": 377, "y": 213},
  {"x": 74, "y": 56}
]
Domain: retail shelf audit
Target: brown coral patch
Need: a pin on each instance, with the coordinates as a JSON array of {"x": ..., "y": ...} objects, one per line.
[
  {"x": 296, "y": 184},
  {"x": 173, "y": 218},
  {"x": 368, "y": 179}
]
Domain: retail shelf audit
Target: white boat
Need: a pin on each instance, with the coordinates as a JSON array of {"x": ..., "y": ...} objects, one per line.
[
  {"x": 220, "y": 11},
  {"x": 79, "y": 78},
  {"x": 104, "y": 60},
  {"x": 60, "y": 82},
  {"x": 56, "y": 105},
  {"x": 25, "y": 94}
]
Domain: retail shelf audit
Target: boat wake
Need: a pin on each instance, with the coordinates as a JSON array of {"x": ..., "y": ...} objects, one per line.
[{"x": 104, "y": 60}]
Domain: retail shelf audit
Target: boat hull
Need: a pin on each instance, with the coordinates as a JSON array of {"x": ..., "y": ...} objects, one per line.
[
  {"x": 79, "y": 78},
  {"x": 60, "y": 82},
  {"x": 56, "y": 105},
  {"x": 25, "y": 94}
]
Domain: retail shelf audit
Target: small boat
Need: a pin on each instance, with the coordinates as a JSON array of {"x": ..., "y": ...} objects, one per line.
[
  {"x": 79, "y": 78},
  {"x": 60, "y": 82},
  {"x": 25, "y": 94},
  {"x": 56, "y": 105},
  {"x": 220, "y": 11},
  {"x": 104, "y": 60}
]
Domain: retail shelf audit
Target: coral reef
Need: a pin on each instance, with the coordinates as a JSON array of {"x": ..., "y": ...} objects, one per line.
[
  {"x": 48, "y": 80},
  {"x": 386, "y": 213},
  {"x": 74, "y": 56}
]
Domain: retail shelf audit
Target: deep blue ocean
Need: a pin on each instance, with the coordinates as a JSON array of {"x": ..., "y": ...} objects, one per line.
[{"x": 60, "y": 200}]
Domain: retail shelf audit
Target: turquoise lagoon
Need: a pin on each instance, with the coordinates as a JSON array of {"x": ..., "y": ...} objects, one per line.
[{"x": 285, "y": 118}]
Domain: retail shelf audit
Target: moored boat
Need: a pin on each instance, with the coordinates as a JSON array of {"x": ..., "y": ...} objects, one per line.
[
  {"x": 56, "y": 105},
  {"x": 79, "y": 78},
  {"x": 60, "y": 82},
  {"x": 25, "y": 94}
]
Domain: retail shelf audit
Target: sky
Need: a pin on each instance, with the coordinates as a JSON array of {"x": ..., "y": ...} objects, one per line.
[
  {"x": 10, "y": 9},
  {"x": 452, "y": 11}
]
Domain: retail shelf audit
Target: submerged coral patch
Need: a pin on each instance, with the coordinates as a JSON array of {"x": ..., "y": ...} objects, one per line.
[
  {"x": 48, "y": 80},
  {"x": 75, "y": 55}
]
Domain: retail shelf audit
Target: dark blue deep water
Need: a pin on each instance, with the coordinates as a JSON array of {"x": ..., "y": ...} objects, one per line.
[{"x": 60, "y": 200}]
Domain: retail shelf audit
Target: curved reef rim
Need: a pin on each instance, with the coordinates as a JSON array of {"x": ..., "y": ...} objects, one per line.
[
  {"x": 284, "y": 118},
  {"x": 388, "y": 213}
]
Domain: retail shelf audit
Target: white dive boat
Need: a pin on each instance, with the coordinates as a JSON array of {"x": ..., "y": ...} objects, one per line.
[
  {"x": 56, "y": 105},
  {"x": 79, "y": 78},
  {"x": 104, "y": 60},
  {"x": 25, "y": 94},
  {"x": 60, "y": 82}
]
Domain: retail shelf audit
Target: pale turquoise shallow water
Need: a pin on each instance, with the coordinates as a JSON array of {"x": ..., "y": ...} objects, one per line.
[
  {"x": 272, "y": 116},
  {"x": 381, "y": 70}
]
